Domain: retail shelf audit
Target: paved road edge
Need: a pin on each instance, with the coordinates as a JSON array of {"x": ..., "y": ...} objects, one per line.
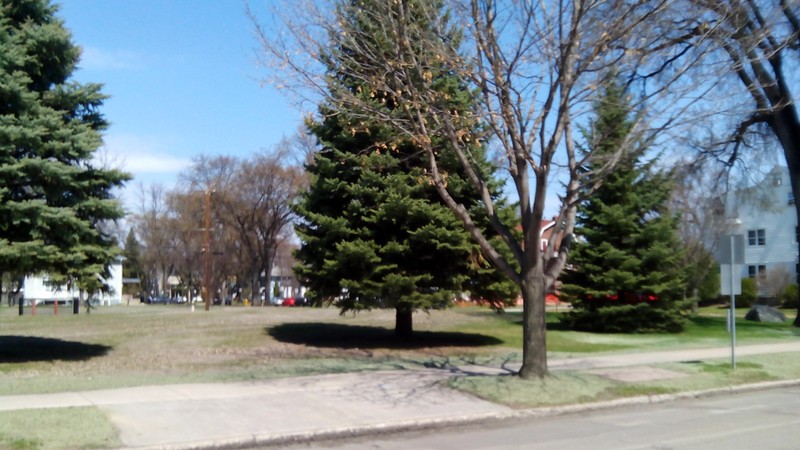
[{"x": 273, "y": 440}]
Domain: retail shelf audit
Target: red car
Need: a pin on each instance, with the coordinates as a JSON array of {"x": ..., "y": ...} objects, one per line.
[{"x": 288, "y": 301}]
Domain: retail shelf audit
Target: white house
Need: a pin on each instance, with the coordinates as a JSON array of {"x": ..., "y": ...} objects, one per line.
[
  {"x": 765, "y": 214},
  {"x": 37, "y": 288}
]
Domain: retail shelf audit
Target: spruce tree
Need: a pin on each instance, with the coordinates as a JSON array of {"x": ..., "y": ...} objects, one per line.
[
  {"x": 374, "y": 232},
  {"x": 626, "y": 273},
  {"x": 53, "y": 198},
  {"x": 132, "y": 267}
]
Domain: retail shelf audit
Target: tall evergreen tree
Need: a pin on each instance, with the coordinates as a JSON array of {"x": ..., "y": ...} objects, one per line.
[
  {"x": 374, "y": 231},
  {"x": 132, "y": 267},
  {"x": 53, "y": 198},
  {"x": 626, "y": 271}
]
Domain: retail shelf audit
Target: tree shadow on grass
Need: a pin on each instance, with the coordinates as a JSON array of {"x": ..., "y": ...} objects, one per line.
[
  {"x": 22, "y": 349},
  {"x": 331, "y": 335}
]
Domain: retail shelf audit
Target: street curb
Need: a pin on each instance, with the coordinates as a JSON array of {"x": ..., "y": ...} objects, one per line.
[
  {"x": 652, "y": 399},
  {"x": 273, "y": 440}
]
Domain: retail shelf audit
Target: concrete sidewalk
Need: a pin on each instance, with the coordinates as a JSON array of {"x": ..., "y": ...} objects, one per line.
[{"x": 297, "y": 409}]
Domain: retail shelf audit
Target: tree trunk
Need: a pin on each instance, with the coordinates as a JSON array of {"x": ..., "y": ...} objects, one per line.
[
  {"x": 255, "y": 290},
  {"x": 786, "y": 125},
  {"x": 403, "y": 325},
  {"x": 795, "y": 177},
  {"x": 534, "y": 344}
]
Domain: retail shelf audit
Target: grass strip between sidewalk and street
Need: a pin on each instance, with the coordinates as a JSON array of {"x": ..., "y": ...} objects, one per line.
[
  {"x": 575, "y": 387},
  {"x": 57, "y": 428}
]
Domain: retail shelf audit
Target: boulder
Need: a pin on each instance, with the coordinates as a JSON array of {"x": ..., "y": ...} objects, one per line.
[{"x": 764, "y": 313}]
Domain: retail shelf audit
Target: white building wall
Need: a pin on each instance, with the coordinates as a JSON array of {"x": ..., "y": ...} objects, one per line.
[
  {"x": 769, "y": 207},
  {"x": 36, "y": 288},
  {"x": 115, "y": 283}
]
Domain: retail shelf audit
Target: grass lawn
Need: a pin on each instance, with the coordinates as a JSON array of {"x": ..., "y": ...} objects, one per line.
[
  {"x": 57, "y": 428},
  {"x": 164, "y": 344},
  {"x": 707, "y": 329}
]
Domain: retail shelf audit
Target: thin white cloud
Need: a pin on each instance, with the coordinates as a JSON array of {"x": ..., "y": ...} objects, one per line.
[
  {"x": 140, "y": 156},
  {"x": 146, "y": 159},
  {"x": 155, "y": 163},
  {"x": 101, "y": 59}
]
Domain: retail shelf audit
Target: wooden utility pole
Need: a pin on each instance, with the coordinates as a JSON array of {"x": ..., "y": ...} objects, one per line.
[{"x": 207, "y": 252}]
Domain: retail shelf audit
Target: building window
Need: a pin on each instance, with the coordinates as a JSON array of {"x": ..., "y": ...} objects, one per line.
[
  {"x": 791, "y": 198},
  {"x": 757, "y": 272},
  {"x": 756, "y": 237}
]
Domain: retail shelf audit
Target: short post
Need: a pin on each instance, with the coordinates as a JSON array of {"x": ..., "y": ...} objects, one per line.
[
  {"x": 733, "y": 306},
  {"x": 731, "y": 251},
  {"x": 33, "y": 307},
  {"x": 55, "y": 307}
]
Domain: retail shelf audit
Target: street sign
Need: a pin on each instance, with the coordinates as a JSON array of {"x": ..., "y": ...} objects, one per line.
[
  {"x": 731, "y": 251},
  {"x": 724, "y": 253},
  {"x": 725, "y": 274}
]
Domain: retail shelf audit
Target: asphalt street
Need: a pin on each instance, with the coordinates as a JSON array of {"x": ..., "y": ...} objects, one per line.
[{"x": 763, "y": 420}]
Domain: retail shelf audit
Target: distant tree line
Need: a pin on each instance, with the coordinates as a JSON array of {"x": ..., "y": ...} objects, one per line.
[{"x": 247, "y": 203}]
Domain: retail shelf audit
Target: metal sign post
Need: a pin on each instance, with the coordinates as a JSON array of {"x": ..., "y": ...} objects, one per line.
[{"x": 731, "y": 258}]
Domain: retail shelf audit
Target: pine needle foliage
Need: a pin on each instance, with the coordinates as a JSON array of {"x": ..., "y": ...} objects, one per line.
[
  {"x": 374, "y": 232},
  {"x": 625, "y": 269},
  {"x": 54, "y": 199}
]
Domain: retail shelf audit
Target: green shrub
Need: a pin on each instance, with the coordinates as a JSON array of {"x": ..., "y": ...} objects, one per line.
[
  {"x": 708, "y": 291},
  {"x": 637, "y": 318},
  {"x": 789, "y": 297},
  {"x": 749, "y": 295}
]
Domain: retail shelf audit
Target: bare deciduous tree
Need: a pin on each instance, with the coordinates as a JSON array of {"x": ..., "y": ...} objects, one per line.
[
  {"x": 775, "y": 282},
  {"x": 303, "y": 145},
  {"x": 151, "y": 223},
  {"x": 186, "y": 222},
  {"x": 699, "y": 199},
  {"x": 251, "y": 201},
  {"x": 535, "y": 67}
]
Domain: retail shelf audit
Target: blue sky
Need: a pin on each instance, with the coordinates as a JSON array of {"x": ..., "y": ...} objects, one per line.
[{"x": 182, "y": 79}]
